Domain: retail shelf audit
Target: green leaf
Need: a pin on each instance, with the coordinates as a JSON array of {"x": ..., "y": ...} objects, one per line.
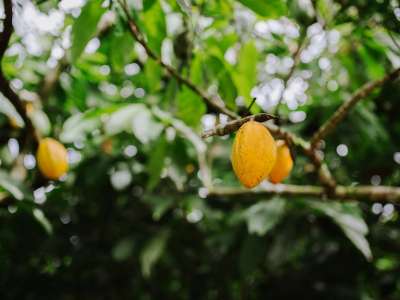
[
  {"x": 373, "y": 64},
  {"x": 152, "y": 252},
  {"x": 155, "y": 26},
  {"x": 348, "y": 218},
  {"x": 153, "y": 74},
  {"x": 135, "y": 118},
  {"x": 190, "y": 107},
  {"x": 216, "y": 69},
  {"x": 12, "y": 186},
  {"x": 145, "y": 127},
  {"x": 41, "y": 218},
  {"x": 76, "y": 127},
  {"x": 196, "y": 70},
  {"x": 325, "y": 8},
  {"x": 387, "y": 263},
  {"x": 263, "y": 216},
  {"x": 227, "y": 89},
  {"x": 121, "y": 48},
  {"x": 159, "y": 205},
  {"x": 123, "y": 249},
  {"x": 84, "y": 28},
  {"x": 246, "y": 74},
  {"x": 121, "y": 119},
  {"x": 156, "y": 162},
  {"x": 185, "y": 5},
  {"x": 147, "y": 4},
  {"x": 267, "y": 8},
  {"x": 370, "y": 127},
  {"x": 41, "y": 121},
  {"x": 8, "y": 109}
]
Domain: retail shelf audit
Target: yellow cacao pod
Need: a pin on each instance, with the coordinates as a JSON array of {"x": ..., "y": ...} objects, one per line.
[
  {"x": 283, "y": 165},
  {"x": 52, "y": 158},
  {"x": 253, "y": 153}
]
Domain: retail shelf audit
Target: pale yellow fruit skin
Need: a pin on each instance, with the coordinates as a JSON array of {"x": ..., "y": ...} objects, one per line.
[
  {"x": 283, "y": 165},
  {"x": 253, "y": 153},
  {"x": 52, "y": 158}
]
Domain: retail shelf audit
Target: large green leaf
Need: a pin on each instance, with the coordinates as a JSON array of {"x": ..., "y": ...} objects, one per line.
[
  {"x": 155, "y": 26},
  {"x": 84, "y": 28},
  {"x": 41, "y": 121},
  {"x": 267, "y": 8},
  {"x": 145, "y": 127},
  {"x": 78, "y": 126},
  {"x": 123, "y": 249},
  {"x": 246, "y": 74},
  {"x": 152, "y": 252},
  {"x": 12, "y": 186},
  {"x": 121, "y": 119},
  {"x": 216, "y": 69},
  {"x": 348, "y": 217},
  {"x": 190, "y": 107},
  {"x": 147, "y": 4},
  {"x": 43, "y": 221},
  {"x": 263, "y": 216},
  {"x": 159, "y": 204},
  {"x": 121, "y": 50},
  {"x": 156, "y": 162},
  {"x": 153, "y": 74},
  {"x": 8, "y": 109}
]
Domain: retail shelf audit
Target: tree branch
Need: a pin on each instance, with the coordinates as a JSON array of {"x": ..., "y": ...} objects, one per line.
[
  {"x": 233, "y": 126},
  {"x": 51, "y": 78},
  {"x": 329, "y": 188},
  {"x": 324, "y": 175},
  {"x": 342, "y": 111},
  {"x": 137, "y": 35},
  {"x": 7, "y": 27},
  {"x": 343, "y": 193},
  {"x": 291, "y": 139},
  {"x": 5, "y": 87}
]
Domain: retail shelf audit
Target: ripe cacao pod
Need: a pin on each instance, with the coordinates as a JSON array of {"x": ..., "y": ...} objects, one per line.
[
  {"x": 253, "y": 153},
  {"x": 52, "y": 158},
  {"x": 283, "y": 164}
]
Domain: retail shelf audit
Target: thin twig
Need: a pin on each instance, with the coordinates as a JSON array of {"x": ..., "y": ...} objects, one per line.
[
  {"x": 342, "y": 111},
  {"x": 324, "y": 175},
  {"x": 251, "y": 105},
  {"x": 330, "y": 189},
  {"x": 397, "y": 45},
  {"x": 138, "y": 36},
  {"x": 5, "y": 87},
  {"x": 233, "y": 126},
  {"x": 343, "y": 193}
]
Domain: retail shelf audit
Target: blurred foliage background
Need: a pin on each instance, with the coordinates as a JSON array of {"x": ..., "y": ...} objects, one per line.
[{"x": 131, "y": 219}]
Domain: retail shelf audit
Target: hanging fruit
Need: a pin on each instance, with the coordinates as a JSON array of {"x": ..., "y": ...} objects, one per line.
[
  {"x": 52, "y": 158},
  {"x": 283, "y": 165},
  {"x": 253, "y": 153}
]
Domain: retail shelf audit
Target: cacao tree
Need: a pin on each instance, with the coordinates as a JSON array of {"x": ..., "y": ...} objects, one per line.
[{"x": 199, "y": 149}]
